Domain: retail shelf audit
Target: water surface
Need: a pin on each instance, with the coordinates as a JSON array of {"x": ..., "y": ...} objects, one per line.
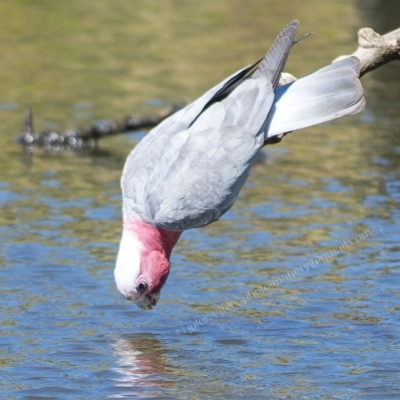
[{"x": 293, "y": 294}]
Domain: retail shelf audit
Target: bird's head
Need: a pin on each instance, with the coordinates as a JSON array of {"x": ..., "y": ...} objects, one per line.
[{"x": 142, "y": 266}]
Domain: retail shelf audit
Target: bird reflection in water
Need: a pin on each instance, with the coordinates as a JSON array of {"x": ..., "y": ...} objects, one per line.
[{"x": 141, "y": 364}]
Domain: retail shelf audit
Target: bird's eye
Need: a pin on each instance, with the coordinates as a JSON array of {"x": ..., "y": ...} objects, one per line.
[{"x": 141, "y": 287}]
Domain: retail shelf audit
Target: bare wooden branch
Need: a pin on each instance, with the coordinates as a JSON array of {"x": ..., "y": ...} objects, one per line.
[
  {"x": 373, "y": 51},
  {"x": 88, "y": 136}
]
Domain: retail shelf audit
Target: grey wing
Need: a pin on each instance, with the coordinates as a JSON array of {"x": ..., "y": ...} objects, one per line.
[
  {"x": 178, "y": 180},
  {"x": 329, "y": 93},
  {"x": 146, "y": 156},
  {"x": 201, "y": 170},
  {"x": 216, "y": 158},
  {"x": 184, "y": 118},
  {"x": 221, "y": 147}
]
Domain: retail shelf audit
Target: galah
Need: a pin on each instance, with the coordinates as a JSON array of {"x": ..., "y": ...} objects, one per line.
[{"x": 188, "y": 171}]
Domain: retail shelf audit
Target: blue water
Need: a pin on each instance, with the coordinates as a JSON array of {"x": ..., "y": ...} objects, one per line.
[{"x": 294, "y": 294}]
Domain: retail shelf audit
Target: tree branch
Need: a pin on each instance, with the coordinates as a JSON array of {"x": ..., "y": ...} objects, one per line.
[
  {"x": 87, "y": 137},
  {"x": 373, "y": 51}
]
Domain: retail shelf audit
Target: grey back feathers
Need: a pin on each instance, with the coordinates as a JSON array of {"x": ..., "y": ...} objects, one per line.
[{"x": 188, "y": 171}]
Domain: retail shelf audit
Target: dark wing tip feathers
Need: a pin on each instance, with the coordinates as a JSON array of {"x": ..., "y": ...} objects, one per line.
[
  {"x": 275, "y": 60},
  {"x": 272, "y": 65}
]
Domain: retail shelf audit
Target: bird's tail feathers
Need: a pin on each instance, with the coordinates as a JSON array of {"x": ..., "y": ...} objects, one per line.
[{"x": 327, "y": 94}]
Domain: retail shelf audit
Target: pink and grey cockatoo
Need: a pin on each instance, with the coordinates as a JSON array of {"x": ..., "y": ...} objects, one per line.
[{"x": 188, "y": 171}]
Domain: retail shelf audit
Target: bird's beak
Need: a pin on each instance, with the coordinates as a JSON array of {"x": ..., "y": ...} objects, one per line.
[{"x": 149, "y": 301}]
